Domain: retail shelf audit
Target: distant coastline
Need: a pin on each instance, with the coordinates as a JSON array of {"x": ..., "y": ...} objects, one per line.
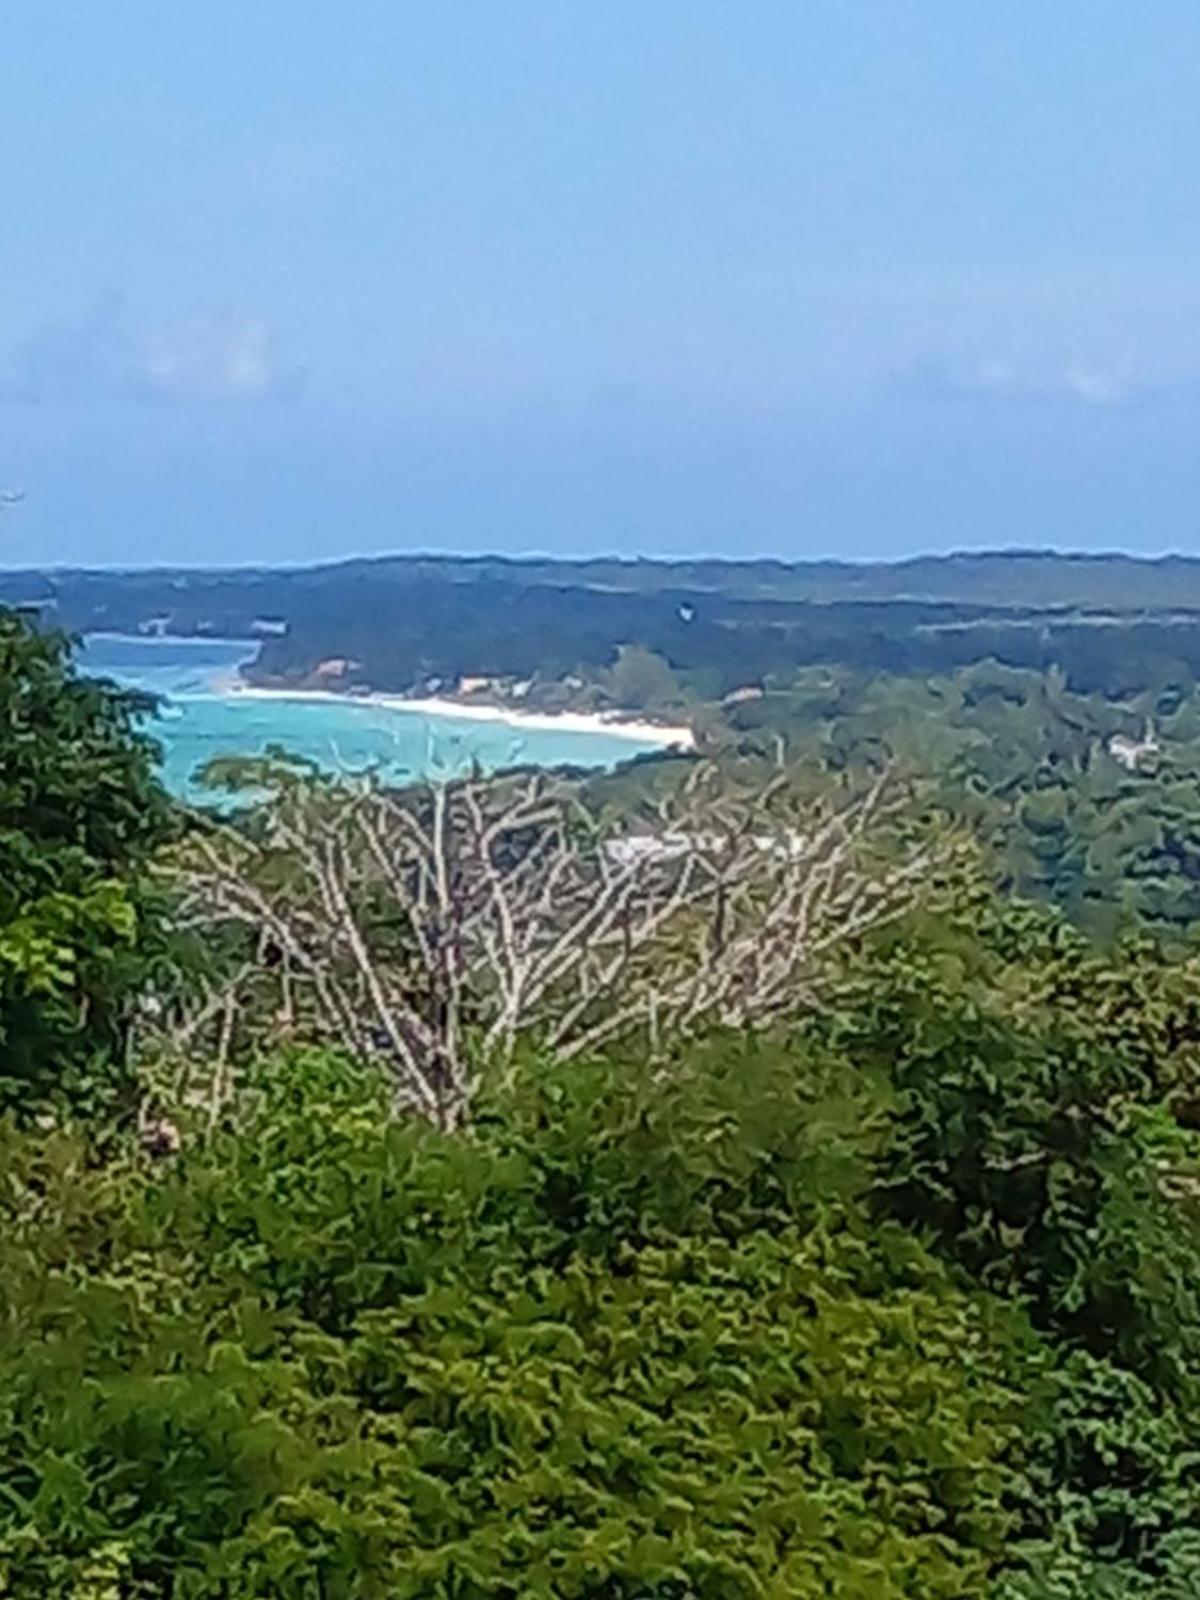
[
  {"x": 228, "y": 681},
  {"x": 615, "y": 724}
]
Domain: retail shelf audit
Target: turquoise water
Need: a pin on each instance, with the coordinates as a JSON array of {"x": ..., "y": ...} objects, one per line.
[{"x": 198, "y": 722}]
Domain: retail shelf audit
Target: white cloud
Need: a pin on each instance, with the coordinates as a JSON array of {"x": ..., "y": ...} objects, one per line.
[
  {"x": 996, "y": 379},
  {"x": 220, "y": 356}
]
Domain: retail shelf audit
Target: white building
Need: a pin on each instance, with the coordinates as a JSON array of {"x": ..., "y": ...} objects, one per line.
[{"x": 1131, "y": 753}]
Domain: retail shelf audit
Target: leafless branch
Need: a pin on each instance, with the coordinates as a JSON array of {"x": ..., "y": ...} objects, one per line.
[{"x": 433, "y": 929}]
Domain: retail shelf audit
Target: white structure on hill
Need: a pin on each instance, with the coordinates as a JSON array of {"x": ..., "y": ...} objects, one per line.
[{"x": 1131, "y": 753}]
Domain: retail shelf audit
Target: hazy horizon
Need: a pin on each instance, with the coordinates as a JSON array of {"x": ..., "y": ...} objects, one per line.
[
  {"x": 859, "y": 280},
  {"x": 602, "y": 557}
]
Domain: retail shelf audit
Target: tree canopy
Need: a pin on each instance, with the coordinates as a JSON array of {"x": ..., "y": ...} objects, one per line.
[
  {"x": 81, "y": 811},
  {"x": 898, "y": 1299}
]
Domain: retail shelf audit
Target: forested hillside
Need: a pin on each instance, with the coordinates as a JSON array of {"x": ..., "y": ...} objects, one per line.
[
  {"x": 1088, "y": 801},
  {"x": 1112, "y": 624},
  {"x": 1034, "y": 579}
]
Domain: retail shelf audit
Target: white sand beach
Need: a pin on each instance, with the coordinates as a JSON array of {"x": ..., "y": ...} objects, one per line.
[{"x": 615, "y": 724}]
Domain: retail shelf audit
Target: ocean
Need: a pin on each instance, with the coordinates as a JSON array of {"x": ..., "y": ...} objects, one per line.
[{"x": 200, "y": 719}]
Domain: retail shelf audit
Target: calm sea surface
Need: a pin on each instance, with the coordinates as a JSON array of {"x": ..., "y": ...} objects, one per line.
[{"x": 200, "y": 720}]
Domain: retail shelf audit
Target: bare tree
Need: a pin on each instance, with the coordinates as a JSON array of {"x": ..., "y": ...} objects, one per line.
[{"x": 431, "y": 929}]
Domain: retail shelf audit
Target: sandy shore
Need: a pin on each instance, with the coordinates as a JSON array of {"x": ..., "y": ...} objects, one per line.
[{"x": 612, "y": 723}]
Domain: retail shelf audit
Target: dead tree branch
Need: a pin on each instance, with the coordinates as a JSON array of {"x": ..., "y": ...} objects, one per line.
[{"x": 430, "y": 930}]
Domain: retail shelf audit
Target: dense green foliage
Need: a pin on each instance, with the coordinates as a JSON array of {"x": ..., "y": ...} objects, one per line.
[
  {"x": 1026, "y": 762},
  {"x": 623, "y": 1342},
  {"x": 80, "y": 813},
  {"x": 902, "y": 1301}
]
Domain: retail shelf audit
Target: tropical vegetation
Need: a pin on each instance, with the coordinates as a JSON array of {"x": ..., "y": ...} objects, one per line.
[
  {"x": 888, "y": 1289},
  {"x": 81, "y": 814}
]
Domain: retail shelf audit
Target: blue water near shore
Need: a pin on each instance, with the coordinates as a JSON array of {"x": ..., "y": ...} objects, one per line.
[{"x": 198, "y": 722}]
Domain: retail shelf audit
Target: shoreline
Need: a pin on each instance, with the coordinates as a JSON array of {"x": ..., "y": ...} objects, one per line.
[
  {"x": 229, "y": 684},
  {"x": 636, "y": 730}
]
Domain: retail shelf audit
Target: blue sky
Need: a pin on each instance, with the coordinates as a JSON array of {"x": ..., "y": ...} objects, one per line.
[{"x": 802, "y": 277}]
